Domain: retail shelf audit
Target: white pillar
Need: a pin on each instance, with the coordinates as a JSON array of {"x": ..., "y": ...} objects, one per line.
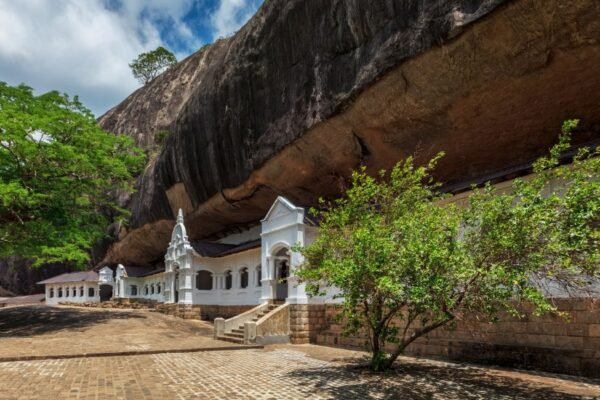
[
  {"x": 268, "y": 281},
  {"x": 185, "y": 286}
]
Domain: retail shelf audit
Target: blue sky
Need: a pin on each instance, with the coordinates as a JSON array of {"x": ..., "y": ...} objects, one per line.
[{"x": 84, "y": 47}]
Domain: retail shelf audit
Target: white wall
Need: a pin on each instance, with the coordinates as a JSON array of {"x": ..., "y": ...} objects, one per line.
[
  {"x": 72, "y": 297},
  {"x": 218, "y": 267},
  {"x": 142, "y": 283}
]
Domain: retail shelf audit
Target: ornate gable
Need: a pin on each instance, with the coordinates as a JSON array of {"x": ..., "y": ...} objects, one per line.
[
  {"x": 280, "y": 208},
  {"x": 179, "y": 235}
]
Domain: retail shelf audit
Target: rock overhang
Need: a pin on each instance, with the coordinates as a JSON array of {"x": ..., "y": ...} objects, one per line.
[{"x": 492, "y": 98}]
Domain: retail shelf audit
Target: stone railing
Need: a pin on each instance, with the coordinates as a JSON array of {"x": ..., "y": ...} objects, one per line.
[
  {"x": 272, "y": 328},
  {"x": 226, "y": 325}
]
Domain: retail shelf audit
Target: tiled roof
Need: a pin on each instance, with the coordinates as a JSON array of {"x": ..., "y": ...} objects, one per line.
[
  {"x": 84, "y": 276},
  {"x": 212, "y": 249},
  {"x": 137, "y": 271},
  {"x": 153, "y": 272},
  {"x": 209, "y": 249},
  {"x": 252, "y": 244}
]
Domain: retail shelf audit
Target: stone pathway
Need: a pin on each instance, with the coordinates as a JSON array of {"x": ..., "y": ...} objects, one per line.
[
  {"x": 276, "y": 372},
  {"x": 43, "y": 331},
  {"x": 284, "y": 372}
]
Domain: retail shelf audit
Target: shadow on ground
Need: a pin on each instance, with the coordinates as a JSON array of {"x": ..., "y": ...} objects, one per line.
[
  {"x": 418, "y": 381},
  {"x": 38, "y": 320}
]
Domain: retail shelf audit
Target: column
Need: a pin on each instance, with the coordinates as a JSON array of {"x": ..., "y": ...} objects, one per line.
[
  {"x": 185, "y": 286},
  {"x": 268, "y": 281}
]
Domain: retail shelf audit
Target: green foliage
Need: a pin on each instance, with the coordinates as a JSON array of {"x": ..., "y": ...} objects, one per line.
[
  {"x": 161, "y": 136},
  {"x": 407, "y": 261},
  {"x": 149, "y": 65},
  {"x": 59, "y": 173}
]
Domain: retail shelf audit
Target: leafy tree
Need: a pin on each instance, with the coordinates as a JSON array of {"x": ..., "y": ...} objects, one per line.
[
  {"x": 149, "y": 65},
  {"x": 406, "y": 263},
  {"x": 59, "y": 173}
]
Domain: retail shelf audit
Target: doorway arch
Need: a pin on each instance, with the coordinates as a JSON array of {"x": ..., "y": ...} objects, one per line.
[
  {"x": 106, "y": 292},
  {"x": 281, "y": 263}
]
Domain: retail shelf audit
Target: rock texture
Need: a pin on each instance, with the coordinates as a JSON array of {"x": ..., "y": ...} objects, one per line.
[
  {"x": 18, "y": 277},
  {"x": 308, "y": 90}
]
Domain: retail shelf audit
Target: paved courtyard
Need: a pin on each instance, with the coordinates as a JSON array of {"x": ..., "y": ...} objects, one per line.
[
  {"x": 286, "y": 372},
  {"x": 275, "y": 372},
  {"x": 49, "y": 331}
]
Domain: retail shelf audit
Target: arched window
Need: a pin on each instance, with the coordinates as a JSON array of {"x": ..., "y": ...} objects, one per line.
[
  {"x": 244, "y": 278},
  {"x": 158, "y": 285},
  {"x": 74, "y": 291},
  {"x": 51, "y": 293},
  {"x": 152, "y": 288},
  {"x": 258, "y": 275},
  {"x": 204, "y": 280},
  {"x": 81, "y": 291},
  {"x": 228, "y": 280},
  {"x": 67, "y": 291},
  {"x": 133, "y": 290},
  {"x": 145, "y": 290},
  {"x": 60, "y": 292},
  {"x": 91, "y": 292}
]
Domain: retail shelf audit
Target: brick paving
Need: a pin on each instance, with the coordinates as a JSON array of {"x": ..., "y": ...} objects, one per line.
[
  {"x": 283, "y": 372},
  {"x": 276, "y": 372},
  {"x": 50, "y": 331}
]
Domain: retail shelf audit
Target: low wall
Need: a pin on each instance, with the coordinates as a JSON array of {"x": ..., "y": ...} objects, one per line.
[
  {"x": 547, "y": 343},
  {"x": 274, "y": 327},
  {"x": 116, "y": 303},
  {"x": 203, "y": 312},
  {"x": 307, "y": 321}
]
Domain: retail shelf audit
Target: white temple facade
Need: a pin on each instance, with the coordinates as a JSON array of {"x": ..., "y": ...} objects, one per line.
[{"x": 240, "y": 270}]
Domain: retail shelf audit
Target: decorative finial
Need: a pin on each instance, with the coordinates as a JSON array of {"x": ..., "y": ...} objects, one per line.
[{"x": 180, "y": 216}]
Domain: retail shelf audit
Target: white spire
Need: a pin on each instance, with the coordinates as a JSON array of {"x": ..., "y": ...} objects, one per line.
[{"x": 180, "y": 216}]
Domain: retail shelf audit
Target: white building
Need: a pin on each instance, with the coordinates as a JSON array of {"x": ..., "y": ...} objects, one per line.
[
  {"x": 76, "y": 287},
  {"x": 243, "y": 274}
]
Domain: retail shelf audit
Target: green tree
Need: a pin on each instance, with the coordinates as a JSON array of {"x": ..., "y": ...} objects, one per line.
[
  {"x": 149, "y": 65},
  {"x": 59, "y": 174},
  {"x": 407, "y": 263}
]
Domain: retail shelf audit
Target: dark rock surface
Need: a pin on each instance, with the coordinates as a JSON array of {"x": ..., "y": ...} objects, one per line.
[
  {"x": 19, "y": 277},
  {"x": 308, "y": 90}
]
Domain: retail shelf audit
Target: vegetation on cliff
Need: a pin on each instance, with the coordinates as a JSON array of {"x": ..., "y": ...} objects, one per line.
[
  {"x": 406, "y": 263},
  {"x": 149, "y": 65},
  {"x": 59, "y": 176}
]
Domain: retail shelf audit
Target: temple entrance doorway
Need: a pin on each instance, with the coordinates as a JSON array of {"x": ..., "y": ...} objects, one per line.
[
  {"x": 106, "y": 292},
  {"x": 282, "y": 272}
]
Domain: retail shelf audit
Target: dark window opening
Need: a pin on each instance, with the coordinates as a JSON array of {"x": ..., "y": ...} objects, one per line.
[
  {"x": 204, "y": 280},
  {"x": 228, "y": 280},
  {"x": 244, "y": 278}
]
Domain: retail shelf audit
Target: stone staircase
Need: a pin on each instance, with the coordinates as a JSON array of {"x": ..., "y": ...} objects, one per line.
[{"x": 236, "y": 335}]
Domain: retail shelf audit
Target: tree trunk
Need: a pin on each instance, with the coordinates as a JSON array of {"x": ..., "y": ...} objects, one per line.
[
  {"x": 387, "y": 363},
  {"x": 377, "y": 356}
]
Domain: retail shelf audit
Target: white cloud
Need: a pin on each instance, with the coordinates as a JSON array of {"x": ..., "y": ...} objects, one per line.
[
  {"x": 231, "y": 15},
  {"x": 78, "y": 47},
  {"x": 84, "y": 47}
]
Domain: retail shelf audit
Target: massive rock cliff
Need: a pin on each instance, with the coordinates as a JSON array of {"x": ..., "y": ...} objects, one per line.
[{"x": 308, "y": 90}]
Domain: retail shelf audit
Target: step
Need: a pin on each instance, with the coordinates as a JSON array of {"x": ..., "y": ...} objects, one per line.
[
  {"x": 230, "y": 339},
  {"x": 238, "y": 330},
  {"x": 235, "y": 334}
]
